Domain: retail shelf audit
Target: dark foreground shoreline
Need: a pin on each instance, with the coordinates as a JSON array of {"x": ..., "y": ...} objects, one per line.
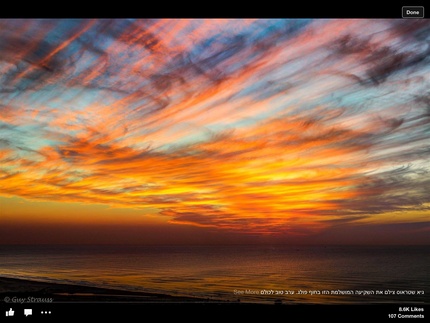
[{"x": 14, "y": 290}]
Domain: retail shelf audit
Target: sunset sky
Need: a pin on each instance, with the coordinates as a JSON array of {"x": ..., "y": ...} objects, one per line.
[{"x": 214, "y": 131}]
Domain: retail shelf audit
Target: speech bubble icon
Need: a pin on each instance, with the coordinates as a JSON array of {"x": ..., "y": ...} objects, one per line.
[{"x": 28, "y": 311}]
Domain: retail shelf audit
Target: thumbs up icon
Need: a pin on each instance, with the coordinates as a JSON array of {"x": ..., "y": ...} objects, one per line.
[{"x": 10, "y": 312}]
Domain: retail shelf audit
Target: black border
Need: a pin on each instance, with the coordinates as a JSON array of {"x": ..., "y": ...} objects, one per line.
[{"x": 264, "y": 9}]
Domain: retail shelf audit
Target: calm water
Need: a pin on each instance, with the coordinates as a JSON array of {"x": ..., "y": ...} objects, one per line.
[{"x": 224, "y": 272}]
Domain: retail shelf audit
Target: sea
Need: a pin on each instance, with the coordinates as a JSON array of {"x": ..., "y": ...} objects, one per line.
[{"x": 235, "y": 273}]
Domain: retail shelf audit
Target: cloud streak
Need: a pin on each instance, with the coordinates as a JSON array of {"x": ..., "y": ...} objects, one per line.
[{"x": 260, "y": 126}]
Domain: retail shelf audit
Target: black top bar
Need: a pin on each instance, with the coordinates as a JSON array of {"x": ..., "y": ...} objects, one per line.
[{"x": 216, "y": 9}]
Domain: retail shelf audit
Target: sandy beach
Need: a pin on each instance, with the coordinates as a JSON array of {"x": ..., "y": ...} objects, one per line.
[{"x": 12, "y": 288}]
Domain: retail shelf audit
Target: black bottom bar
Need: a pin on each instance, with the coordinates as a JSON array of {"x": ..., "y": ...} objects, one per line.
[{"x": 142, "y": 312}]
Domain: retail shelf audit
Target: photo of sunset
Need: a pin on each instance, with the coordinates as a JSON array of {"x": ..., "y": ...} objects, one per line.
[{"x": 216, "y": 158}]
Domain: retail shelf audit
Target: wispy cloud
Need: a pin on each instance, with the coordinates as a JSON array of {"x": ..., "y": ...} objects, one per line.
[{"x": 264, "y": 126}]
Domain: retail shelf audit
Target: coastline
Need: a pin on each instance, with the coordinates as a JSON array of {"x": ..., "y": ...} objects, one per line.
[{"x": 13, "y": 289}]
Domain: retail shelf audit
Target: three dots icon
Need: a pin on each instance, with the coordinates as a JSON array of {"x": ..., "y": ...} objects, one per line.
[{"x": 45, "y": 312}]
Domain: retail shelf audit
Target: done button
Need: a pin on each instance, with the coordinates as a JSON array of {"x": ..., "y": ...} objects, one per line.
[{"x": 412, "y": 12}]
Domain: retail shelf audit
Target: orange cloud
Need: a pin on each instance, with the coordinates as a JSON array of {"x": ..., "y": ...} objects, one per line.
[{"x": 254, "y": 126}]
